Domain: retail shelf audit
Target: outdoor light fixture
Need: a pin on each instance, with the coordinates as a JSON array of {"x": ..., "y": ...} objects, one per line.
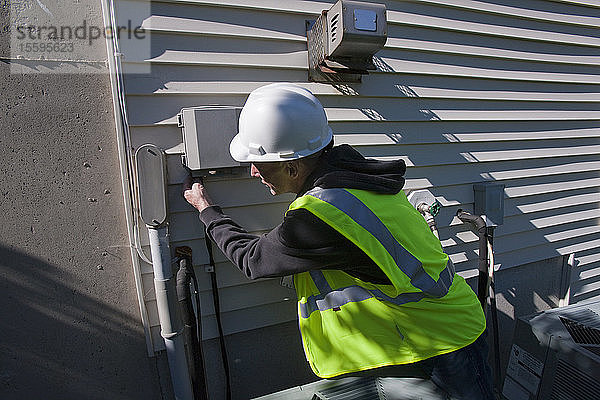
[{"x": 343, "y": 40}]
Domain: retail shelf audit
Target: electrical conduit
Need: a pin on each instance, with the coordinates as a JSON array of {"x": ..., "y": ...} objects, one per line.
[{"x": 170, "y": 323}]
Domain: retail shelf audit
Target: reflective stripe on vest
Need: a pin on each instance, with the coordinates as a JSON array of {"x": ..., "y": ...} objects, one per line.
[
  {"x": 330, "y": 299},
  {"x": 408, "y": 264}
]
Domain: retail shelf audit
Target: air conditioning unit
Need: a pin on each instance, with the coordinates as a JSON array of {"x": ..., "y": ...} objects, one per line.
[{"x": 556, "y": 355}]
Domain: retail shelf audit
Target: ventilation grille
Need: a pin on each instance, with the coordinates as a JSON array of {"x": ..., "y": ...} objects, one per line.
[
  {"x": 334, "y": 27},
  {"x": 583, "y": 326},
  {"x": 360, "y": 389},
  {"x": 593, "y": 349},
  {"x": 572, "y": 384}
]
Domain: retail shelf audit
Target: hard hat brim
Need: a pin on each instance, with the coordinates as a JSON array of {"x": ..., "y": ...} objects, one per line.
[{"x": 241, "y": 153}]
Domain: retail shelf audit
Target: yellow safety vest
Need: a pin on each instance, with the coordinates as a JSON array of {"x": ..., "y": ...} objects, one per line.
[{"x": 349, "y": 325}]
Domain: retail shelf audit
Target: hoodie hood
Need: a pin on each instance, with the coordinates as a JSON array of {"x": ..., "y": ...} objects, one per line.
[{"x": 344, "y": 167}]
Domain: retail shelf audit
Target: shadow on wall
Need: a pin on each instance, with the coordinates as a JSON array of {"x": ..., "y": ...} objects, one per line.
[{"x": 59, "y": 343}]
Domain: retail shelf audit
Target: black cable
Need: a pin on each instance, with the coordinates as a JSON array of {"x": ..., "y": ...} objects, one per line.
[
  {"x": 213, "y": 279},
  {"x": 191, "y": 320},
  {"x": 197, "y": 299},
  {"x": 496, "y": 333}
]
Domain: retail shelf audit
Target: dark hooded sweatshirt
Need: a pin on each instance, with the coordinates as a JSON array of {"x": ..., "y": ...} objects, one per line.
[{"x": 303, "y": 242}]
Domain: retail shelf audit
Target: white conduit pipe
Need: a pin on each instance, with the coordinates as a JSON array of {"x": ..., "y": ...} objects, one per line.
[{"x": 171, "y": 325}]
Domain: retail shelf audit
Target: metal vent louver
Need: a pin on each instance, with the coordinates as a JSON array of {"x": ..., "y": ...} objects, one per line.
[
  {"x": 571, "y": 384},
  {"x": 334, "y": 26},
  {"x": 583, "y": 326},
  {"x": 360, "y": 389}
]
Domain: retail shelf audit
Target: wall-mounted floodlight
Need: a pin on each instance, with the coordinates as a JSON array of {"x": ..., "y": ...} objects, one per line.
[{"x": 343, "y": 40}]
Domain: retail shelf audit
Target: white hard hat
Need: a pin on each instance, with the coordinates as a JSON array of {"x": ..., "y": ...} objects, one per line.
[{"x": 280, "y": 122}]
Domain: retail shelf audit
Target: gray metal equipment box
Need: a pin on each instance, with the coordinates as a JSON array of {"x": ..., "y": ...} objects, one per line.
[
  {"x": 207, "y": 132},
  {"x": 556, "y": 355},
  {"x": 355, "y": 29}
]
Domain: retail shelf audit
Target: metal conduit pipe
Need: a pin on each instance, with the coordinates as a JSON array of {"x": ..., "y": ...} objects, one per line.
[
  {"x": 166, "y": 301},
  {"x": 483, "y": 280}
]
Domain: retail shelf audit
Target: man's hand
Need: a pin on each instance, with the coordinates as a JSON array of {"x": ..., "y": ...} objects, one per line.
[{"x": 195, "y": 193}]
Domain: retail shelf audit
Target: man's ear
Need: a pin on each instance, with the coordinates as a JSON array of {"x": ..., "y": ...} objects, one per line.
[{"x": 291, "y": 167}]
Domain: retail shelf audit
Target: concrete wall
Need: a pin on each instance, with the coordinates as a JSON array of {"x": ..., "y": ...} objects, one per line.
[{"x": 69, "y": 314}]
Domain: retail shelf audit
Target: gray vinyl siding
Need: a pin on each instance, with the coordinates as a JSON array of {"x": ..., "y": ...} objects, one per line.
[{"x": 465, "y": 92}]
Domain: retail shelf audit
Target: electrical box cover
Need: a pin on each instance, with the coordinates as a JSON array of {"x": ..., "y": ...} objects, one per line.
[
  {"x": 355, "y": 29},
  {"x": 207, "y": 132},
  {"x": 151, "y": 174},
  {"x": 489, "y": 202}
]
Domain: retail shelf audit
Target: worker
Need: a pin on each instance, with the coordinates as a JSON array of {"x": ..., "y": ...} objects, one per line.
[{"x": 376, "y": 293}]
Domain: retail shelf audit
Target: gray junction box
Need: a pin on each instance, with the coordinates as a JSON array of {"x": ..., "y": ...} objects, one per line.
[{"x": 207, "y": 132}]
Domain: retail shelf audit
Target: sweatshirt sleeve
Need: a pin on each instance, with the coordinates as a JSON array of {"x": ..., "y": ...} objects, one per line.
[{"x": 302, "y": 242}]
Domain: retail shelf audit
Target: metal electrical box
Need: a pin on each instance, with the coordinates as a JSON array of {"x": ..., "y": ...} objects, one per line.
[
  {"x": 207, "y": 132},
  {"x": 489, "y": 202}
]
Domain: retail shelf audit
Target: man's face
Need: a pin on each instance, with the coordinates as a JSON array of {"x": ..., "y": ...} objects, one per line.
[{"x": 272, "y": 174}]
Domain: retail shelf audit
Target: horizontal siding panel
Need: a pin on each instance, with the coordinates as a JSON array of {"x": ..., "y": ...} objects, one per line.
[
  {"x": 369, "y": 114},
  {"x": 164, "y": 137},
  {"x": 447, "y": 24},
  {"x": 518, "y": 231},
  {"x": 559, "y": 202},
  {"x": 460, "y": 153},
  {"x": 428, "y": 135},
  {"x": 561, "y": 238},
  {"x": 479, "y": 51},
  {"x": 245, "y": 296},
  {"x": 534, "y": 254},
  {"x": 162, "y": 75},
  {"x": 252, "y": 318},
  {"x": 287, "y": 7},
  {"x": 467, "y": 260},
  {"x": 591, "y": 273},
  {"x": 243, "y": 192},
  {"x": 565, "y": 184},
  {"x": 245, "y": 216},
  {"x": 147, "y": 110},
  {"x": 298, "y": 60},
  {"x": 225, "y": 80},
  {"x": 240, "y": 321},
  {"x": 558, "y": 13},
  {"x": 542, "y": 168},
  {"x": 582, "y": 292},
  {"x": 420, "y": 67},
  {"x": 179, "y": 25},
  {"x": 586, "y": 260},
  {"x": 589, "y": 3},
  {"x": 292, "y": 60},
  {"x": 428, "y": 177}
]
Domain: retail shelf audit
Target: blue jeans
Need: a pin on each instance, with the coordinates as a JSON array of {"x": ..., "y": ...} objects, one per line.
[{"x": 465, "y": 374}]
